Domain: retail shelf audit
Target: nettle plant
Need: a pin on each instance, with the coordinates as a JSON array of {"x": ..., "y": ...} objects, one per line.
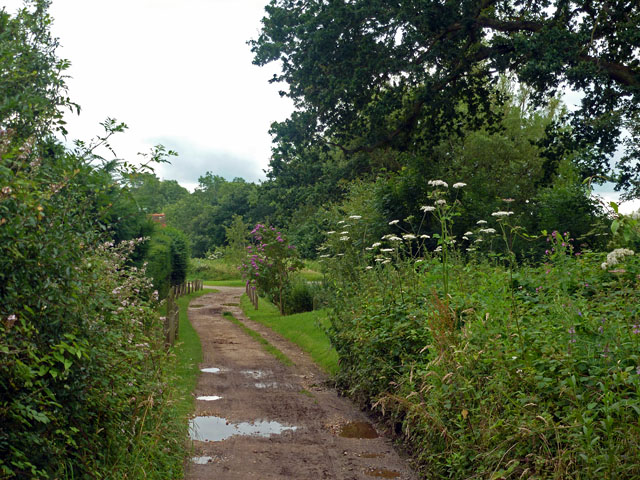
[{"x": 270, "y": 264}]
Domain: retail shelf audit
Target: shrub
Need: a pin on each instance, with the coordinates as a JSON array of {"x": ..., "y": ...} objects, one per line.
[{"x": 168, "y": 258}]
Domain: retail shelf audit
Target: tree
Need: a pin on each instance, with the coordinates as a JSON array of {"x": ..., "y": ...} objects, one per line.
[{"x": 365, "y": 74}]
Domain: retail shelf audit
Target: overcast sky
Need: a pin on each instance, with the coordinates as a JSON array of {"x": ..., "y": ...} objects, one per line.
[{"x": 177, "y": 72}]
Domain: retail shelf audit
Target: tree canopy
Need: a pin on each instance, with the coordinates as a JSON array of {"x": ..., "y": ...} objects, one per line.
[{"x": 365, "y": 74}]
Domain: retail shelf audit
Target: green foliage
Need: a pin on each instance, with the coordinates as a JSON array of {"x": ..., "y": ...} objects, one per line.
[
  {"x": 519, "y": 371},
  {"x": 219, "y": 269},
  {"x": 205, "y": 214},
  {"x": 167, "y": 258},
  {"x": 368, "y": 74},
  {"x": 272, "y": 260}
]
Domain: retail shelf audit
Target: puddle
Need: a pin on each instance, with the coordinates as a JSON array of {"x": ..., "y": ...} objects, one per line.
[
  {"x": 255, "y": 374},
  {"x": 197, "y": 305},
  {"x": 201, "y": 460},
  {"x": 215, "y": 429},
  {"x": 274, "y": 385},
  {"x": 209, "y": 398},
  {"x": 358, "y": 430},
  {"x": 381, "y": 473},
  {"x": 371, "y": 455},
  {"x": 210, "y": 370}
]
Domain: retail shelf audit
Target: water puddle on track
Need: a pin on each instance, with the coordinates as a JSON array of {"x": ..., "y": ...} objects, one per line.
[
  {"x": 201, "y": 460},
  {"x": 358, "y": 430},
  {"x": 209, "y": 398},
  {"x": 210, "y": 370},
  {"x": 255, "y": 374},
  {"x": 215, "y": 429}
]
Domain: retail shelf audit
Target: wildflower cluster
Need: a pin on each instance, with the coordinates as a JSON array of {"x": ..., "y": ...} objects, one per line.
[{"x": 616, "y": 256}]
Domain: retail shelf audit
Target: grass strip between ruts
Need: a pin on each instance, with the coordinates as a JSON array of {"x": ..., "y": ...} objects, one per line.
[
  {"x": 307, "y": 330},
  {"x": 265, "y": 343}
]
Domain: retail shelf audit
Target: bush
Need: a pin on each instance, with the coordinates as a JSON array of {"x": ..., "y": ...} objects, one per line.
[
  {"x": 299, "y": 297},
  {"x": 167, "y": 258}
]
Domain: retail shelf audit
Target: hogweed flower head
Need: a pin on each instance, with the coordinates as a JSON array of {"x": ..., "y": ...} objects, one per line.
[
  {"x": 427, "y": 208},
  {"x": 438, "y": 183},
  {"x": 459, "y": 185}
]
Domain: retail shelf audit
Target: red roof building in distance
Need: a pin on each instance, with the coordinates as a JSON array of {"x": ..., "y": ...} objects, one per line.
[{"x": 158, "y": 218}]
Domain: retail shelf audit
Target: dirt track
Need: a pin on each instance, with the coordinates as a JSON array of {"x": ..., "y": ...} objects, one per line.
[{"x": 255, "y": 388}]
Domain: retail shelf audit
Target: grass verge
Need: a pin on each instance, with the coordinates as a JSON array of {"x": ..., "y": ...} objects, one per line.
[
  {"x": 188, "y": 354},
  {"x": 265, "y": 343},
  {"x": 304, "y": 329}
]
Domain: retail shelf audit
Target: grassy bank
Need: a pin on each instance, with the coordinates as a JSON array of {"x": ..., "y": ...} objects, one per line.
[{"x": 304, "y": 329}]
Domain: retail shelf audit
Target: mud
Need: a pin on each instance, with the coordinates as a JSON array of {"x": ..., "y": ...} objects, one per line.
[{"x": 277, "y": 422}]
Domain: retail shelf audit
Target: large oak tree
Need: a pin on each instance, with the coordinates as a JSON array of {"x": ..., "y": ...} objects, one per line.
[{"x": 366, "y": 74}]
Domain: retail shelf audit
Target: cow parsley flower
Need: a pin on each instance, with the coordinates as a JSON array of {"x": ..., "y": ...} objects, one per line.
[
  {"x": 481, "y": 222},
  {"x": 441, "y": 201},
  {"x": 394, "y": 222},
  {"x": 355, "y": 217},
  {"x": 459, "y": 185},
  {"x": 427, "y": 208},
  {"x": 501, "y": 214},
  {"x": 438, "y": 183}
]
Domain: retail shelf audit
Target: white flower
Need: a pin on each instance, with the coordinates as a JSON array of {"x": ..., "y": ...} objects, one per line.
[
  {"x": 459, "y": 185},
  {"x": 386, "y": 250},
  {"x": 341, "y": 222},
  {"x": 420, "y": 260},
  {"x": 394, "y": 222},
  {"x": 468, "y": 233},
  {"x": 438, "y": 248},
  {"x": 441, "y": 201},
  {"x": 386, "y": 261},
  {"x": 369, "y": 267},
  {"x": 427, "y": 208},
  {"x": 481, "y": 222},
  {"x": 408, "y": 236},
  {"x": 614, "y": 257},
  {"x": 379, "y": 259},
  {"x": 331, "y": 232},
  {"x": 508, "y": 200},
  {"x": 355, "y": 217},
  {"x": 438, "y": 183},
  {"x": 344, "y": 239},
  {"x": 388, "y": 236},
  {"x": 464, "y": 237},
  {"x": 471, "y": 249},
  {"x": 478, "y": 240},
  {"x": 340, "y": 255},
  {"x": 395, "y": 239},
  {"x": 376, "y": 245},
  {"x": 368, "y": 249},
  {"x": 344, "y": 233},
  {"x": 501, "y": 214},
  {"x": 488, "y": 230},
  {"x": 424, "y": 236},
  {"x": 325, "y": 256}
]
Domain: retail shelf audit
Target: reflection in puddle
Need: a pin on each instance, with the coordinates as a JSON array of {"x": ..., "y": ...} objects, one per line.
[
  {"x": 382, "y": 473},
  {"x": 201, "y": 460},
  {"x": 273, "y": 385},
  {"x": 255, "y": 374},
  {"x": 214, "y": 429},
  {"x": 209, "y": 398},
  {"x": 210, "y": 370},
  {"x": 358, "y": 430}
]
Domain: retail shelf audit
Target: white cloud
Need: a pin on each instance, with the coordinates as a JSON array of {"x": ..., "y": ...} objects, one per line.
[{"x": 173, "y": 69}]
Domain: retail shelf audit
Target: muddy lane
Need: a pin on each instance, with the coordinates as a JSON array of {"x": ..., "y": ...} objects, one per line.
[{"x": 257, "y": 418}]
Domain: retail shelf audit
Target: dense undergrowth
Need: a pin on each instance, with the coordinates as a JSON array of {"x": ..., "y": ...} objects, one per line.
[{"x": 490, "y": 368}]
